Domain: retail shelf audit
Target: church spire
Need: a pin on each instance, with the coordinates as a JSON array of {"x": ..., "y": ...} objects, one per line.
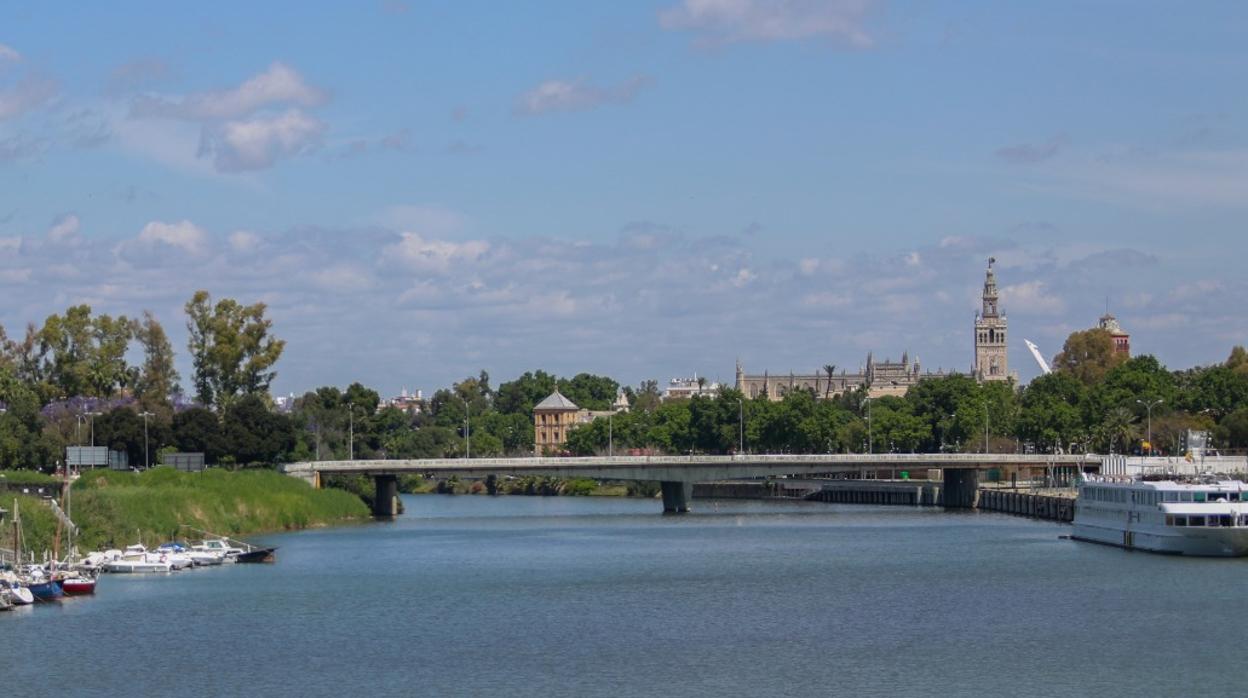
[{"x": 991, "y": 307}]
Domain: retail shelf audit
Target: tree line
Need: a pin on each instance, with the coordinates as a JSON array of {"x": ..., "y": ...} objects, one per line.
[{"x": 69, "y": 382}]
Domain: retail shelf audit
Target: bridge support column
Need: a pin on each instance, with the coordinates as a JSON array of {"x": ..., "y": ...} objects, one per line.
[
  {"x": 676, "y": 496},
  {"x": 385, "y": 498},
  {"x": 961, "y": 488}
]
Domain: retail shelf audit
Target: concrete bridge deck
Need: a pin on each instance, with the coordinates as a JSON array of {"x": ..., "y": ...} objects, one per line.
[{"x": 676, "y": 474}]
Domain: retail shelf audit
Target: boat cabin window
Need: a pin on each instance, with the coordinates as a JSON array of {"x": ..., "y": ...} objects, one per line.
[
  {"x": 1185, "y": 496},
  {"x": 1199, "y": 496},
  {"x": 1180, "y": 521},
  {"x": 1226, "y": 520},
  {"x": 1195, "y": 521},
  {"x": 1218, "y": 496}
]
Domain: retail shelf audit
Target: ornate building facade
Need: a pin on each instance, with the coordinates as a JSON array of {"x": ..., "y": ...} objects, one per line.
[
  {"x": 880, "y": 378},
  {"x": 992, "y": 358},
  {"x": 895, "y": 378}
]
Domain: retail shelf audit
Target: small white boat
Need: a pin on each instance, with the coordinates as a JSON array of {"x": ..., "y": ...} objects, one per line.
[
  {"x": 219, "y": 546},
  {"x": 199, "y": 558},
  {"x": 136, "y": 559},
  {"x": 18, "y": 594}
]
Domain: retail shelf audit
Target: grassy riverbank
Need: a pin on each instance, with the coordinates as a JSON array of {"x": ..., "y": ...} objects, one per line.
[{"x": 114, "y": 509}]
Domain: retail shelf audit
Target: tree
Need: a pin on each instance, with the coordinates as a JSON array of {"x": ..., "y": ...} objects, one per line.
[
  {"x": 1238, "y": 360},
  {"x": 647, "y": 398},
  {"x": 520, "y": 395},
  {"x": 83, "y": 354},
  {"x": 254, "y": 435},
  {"x": 829, "y": 369},
  {"x": 22, "y": 443},
  {"x": 231, "y": 350},
  {"x": 158, "y": 378},
  {"x": 198, "y": 430},
  {"x": 590, "y": 392},
  {"x": 121, "y": 429},
  {"x": 1233, "y": 431},
  {"x": 1088, "y": 355},
  {"x": 1050, "y": 415}
]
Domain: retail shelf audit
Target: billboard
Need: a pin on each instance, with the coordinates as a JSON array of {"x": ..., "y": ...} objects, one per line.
[{"x": 86, "y": 456}]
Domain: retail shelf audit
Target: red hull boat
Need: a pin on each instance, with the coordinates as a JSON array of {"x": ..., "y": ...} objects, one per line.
[{"x": 78, "y": 587}]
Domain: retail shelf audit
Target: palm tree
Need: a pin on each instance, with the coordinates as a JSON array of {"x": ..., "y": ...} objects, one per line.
[
  {"x": 829, "y": 369},
  {"x": 1118, "y": 428}
]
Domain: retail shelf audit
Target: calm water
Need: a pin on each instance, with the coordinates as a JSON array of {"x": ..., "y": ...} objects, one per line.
[{"x": 605, "y": 597}]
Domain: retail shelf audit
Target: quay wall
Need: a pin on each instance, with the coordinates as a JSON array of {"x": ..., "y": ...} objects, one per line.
[{"x": 1048, "y": 505}]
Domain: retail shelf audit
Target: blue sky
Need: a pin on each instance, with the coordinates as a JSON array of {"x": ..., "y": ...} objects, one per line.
[{"x": 648, "y": 189}]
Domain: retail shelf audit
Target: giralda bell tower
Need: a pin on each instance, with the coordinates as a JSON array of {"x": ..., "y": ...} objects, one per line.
[{"x": 991, "y": 350}]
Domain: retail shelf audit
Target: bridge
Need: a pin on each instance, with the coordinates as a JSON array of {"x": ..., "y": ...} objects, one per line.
[{"x": 676, "y": 474}]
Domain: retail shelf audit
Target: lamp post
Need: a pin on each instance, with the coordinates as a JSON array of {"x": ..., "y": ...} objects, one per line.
[
  {"x": 1149, "y": 406},
  {"x": 147, "y": 461},
  {"x": 985, "y": 427},
  {"x": 91, "y": 421},
  {"x": 351, "y": 432},
  {"x": 610, "y": 436},
  {"x": 870, "y": 438},
  {"x": 78, "y": 428},
  {"x": 741, "y": 423},
  {"x": 467, "y": 427}
]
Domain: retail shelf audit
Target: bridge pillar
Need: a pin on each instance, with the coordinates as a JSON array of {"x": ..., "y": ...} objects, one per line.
[
  {"x": 676, "y": 496},
  {"x": 961, "y": 488},
  {"x": 385, "y": 498}
]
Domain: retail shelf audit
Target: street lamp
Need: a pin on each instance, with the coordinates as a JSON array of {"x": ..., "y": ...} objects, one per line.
[
  {"x": 870, "y": 438},
  {"x": 1149, "y": 406},
  {"x": 351, "y": 432},
  {"x": 78, "y": 428},
  {"x": 741, "y": 423},
  {"x": 467, "y": 427},
  {"x": 147, "y": 462},
  {"x": 91, "y": 421}
]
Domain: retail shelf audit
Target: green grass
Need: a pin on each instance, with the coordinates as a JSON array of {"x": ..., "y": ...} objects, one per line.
[
  {"x": 26, "y": 478},
  {"x": 114, "y": 509}
]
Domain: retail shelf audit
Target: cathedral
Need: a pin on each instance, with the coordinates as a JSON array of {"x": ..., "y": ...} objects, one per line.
[{"x": 882, "y": 378}]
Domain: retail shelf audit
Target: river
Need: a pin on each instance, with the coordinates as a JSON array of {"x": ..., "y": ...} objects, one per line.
[{"x": 531, "y": 596}]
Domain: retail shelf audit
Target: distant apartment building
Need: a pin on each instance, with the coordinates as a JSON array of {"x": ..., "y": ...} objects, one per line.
[
  {"x": 411, "y": 403},
  {"x": 685, "y": 388}
]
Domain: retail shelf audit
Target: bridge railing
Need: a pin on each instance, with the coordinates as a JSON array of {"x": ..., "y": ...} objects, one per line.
[{"x": 840, "y": 460}]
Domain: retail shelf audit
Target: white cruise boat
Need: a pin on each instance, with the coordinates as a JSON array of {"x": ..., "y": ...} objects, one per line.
[{"x": 1208, "y": 518}]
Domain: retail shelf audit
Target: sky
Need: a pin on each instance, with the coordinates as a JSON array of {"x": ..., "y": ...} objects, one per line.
[{"x": 423, "y": 190}]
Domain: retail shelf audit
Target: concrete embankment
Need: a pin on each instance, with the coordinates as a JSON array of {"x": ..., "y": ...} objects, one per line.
[{"x": 1051, "y": 505}]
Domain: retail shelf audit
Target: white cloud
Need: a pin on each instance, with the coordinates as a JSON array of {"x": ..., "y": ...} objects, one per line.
[
  {"x": 243, "y": 241},
  {"x": 1033, "y": 297},
  {"x": 258, "y": 143},
  {"x": 415, "y": 252},
  {"x": 183, "y": 235},
  {"x": 576, "y": 95},
  {"x": 65, "y": 228},
  {"x": 276, "y": 86},
  {"x": 8, "y": 53},
  {"x": 731, "y": 21}
]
